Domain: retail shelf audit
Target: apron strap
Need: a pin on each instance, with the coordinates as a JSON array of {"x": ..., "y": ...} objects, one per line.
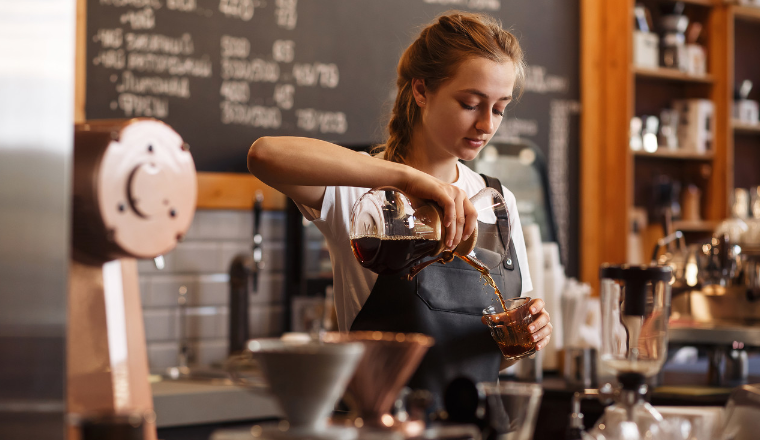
[{"x": 502, "y": 221}]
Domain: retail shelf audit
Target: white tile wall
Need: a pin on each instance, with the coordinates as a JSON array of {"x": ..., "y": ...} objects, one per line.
[{"x": 199, "y": 267}]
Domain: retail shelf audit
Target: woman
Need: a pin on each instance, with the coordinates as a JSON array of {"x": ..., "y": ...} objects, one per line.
[{"x": 454, "y": 84}]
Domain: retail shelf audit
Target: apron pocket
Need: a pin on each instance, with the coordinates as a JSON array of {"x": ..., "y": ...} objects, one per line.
[{"x": 457, "y": 287}]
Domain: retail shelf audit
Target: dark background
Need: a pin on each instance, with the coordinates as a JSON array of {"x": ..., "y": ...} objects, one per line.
[{"x": 364, "y": 38}]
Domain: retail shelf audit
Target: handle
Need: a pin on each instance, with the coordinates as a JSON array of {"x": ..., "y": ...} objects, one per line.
[
  {"x": 257, "y": 240},
  {"x": 235, "y": 363},
  {"x": 678, "y": 235}
]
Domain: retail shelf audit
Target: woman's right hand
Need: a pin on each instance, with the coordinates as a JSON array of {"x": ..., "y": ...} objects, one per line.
[{"x": 459, "y": 215}]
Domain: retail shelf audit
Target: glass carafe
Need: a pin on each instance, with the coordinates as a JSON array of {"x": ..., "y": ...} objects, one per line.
[
  {"x": 390, "y": 231},
  {"x": 635, "y": 304}
]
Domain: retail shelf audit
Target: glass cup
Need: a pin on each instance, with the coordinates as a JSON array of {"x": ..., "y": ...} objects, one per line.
[
  {"x": 510, "y": 329},
  {"x": 511, "y": 408}
]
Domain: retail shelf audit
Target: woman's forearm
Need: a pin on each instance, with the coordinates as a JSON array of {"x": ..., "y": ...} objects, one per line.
[{"x": 279, "y": 161}]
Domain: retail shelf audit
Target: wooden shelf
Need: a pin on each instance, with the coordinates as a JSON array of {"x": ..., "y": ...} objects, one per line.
[
  {"x": 672, "y": 75},
  {"x": 743, "y": 127},
  {"x": 697, "y": 2},
  {"x": 665, "y": 153},
  {"x": 694, "y": 226},
  {"x": 747, "y": 13}
]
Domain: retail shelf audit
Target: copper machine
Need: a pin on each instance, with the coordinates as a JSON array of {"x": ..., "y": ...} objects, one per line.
[{"x": 134, "y": 196}]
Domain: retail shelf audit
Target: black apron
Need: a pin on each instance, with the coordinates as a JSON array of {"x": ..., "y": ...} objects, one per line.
[{"x": 446, "y": 301}]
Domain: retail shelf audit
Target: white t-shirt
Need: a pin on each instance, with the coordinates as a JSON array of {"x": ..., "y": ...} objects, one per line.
[{"x": 352, "y": 283}]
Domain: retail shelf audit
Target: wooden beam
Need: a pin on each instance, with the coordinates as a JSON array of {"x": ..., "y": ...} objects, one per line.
[
  {"x": 80, "y": 69},
  {"x": 591, "y": 142},
  {"x": 235, "y": 191}
]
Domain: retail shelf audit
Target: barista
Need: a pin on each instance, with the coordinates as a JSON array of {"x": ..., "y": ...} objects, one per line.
[{"x": 454, "y": 84}]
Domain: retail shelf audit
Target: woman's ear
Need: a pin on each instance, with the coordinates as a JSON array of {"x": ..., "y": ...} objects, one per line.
[{"x": 418, "y": 89}]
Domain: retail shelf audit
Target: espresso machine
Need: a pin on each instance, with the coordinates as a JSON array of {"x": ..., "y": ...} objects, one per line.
[
  {"x": 134, "y": 196},
  {"x": 635, "y": 303}
]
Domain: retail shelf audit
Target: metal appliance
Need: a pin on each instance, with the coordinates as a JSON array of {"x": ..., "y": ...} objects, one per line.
[{"x": 134, "y": 196}]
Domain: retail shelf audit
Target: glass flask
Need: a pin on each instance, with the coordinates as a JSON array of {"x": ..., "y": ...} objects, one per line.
[
  {"x": 635, "y": 303},
  {"x": 391, "y": 231}
]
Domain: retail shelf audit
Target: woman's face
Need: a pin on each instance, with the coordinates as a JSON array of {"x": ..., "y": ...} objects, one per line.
[{"x": 461, "y": 116}]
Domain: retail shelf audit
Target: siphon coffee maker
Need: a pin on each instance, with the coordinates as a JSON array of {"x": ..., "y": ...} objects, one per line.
[
  {"x": 391, "y": 231},
  {"x": 635, "y": 302}
]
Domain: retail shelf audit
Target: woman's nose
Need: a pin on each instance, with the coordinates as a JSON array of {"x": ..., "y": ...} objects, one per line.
[{"x": 485, "y": 123}]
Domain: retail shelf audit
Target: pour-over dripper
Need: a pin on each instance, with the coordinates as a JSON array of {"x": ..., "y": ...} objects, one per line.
[
  {"x": 389, "y": 361},
  {"x": 391, "y": 231},
  {"x": 306, "y": 377}
]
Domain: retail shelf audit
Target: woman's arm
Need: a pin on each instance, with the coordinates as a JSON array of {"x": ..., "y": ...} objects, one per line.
[{"x": 301, "y": 168}]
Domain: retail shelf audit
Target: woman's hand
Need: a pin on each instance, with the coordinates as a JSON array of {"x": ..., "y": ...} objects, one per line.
[
  {"x": 459, "y": 215},
  {"x": 540, "y": 328}
]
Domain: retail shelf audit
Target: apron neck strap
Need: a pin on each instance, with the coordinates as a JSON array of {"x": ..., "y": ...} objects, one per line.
[{"x": 502, "y": 221}]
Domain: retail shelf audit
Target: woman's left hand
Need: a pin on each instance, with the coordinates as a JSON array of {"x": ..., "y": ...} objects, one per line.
[{"x": 540, "y": 328}]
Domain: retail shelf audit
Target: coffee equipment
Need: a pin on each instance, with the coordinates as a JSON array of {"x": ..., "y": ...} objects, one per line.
[
  {"x": 134, "y": 195},
  {"x": 389, "y": 361},
  {"x": 391, "y": 231},
  {"x": 306, "y": 378},
  {"x": 635, "y": 304}
]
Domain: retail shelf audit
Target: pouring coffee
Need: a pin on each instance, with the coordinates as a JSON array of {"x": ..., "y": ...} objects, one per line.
[{"x": 391, "y": 232}]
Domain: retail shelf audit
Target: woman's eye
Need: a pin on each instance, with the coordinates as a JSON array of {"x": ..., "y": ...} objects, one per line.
[
  {"x": 498, "y": 112},
  {"x": 467, "y": 107}
]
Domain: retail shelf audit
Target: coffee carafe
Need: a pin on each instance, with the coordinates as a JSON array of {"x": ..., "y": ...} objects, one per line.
[
  {"x": 635, "y": 302},
  {"x": 391, "y": 231}
]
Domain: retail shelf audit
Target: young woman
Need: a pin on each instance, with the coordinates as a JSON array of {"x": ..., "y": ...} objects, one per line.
[{"x": 454, "y": 84}]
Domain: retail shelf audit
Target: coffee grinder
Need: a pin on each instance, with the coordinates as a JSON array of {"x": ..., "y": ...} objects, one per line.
[
  {"x": 134, "y": 196},
  {"x": 635, "y": 303}
]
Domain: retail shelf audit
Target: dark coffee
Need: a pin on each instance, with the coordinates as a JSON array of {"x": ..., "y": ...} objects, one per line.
[
  {"x": 510, "y": 331},
  {"x": 390, "y": 255}
]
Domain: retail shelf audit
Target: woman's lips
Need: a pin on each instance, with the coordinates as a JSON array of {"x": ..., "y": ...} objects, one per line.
[{"x": 474, "y": 143}]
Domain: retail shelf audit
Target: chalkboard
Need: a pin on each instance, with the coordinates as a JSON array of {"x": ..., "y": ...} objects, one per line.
[{"x": 225, "y": 72}]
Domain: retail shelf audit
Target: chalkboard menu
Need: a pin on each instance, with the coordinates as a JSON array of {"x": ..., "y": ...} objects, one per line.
[{"x": 225, "y": 72}]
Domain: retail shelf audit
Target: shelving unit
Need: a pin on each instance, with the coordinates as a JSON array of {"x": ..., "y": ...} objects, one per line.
[
  {"x": 616, "y": 180},
  {"x": 743, "y": 127},
  {"x": 665, "y": 153},
  {"x": 672, "y": 74}
]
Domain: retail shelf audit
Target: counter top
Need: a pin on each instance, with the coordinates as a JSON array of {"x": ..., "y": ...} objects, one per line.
[{"x": 182, "y": 403}]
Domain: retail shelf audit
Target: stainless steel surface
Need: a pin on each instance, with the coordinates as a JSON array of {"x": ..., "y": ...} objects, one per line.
[
  {"x": 716, "y": 333},
  {"x": 37, "y": 40},
  {"x": 716, "y": 305}
]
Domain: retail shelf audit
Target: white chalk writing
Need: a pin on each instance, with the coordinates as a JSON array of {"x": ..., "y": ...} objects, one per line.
[
  {"x": 538, "y": 81},
  {"x": 325, "y": 122},
  {"x": 256, "y": 70},
  {"x": 139, "y": 19},
  {"x": 256, "y": 116},
  {"x": 491, "y": 5},
  {"x": 155, "y": 4},
  {"x": 109, "y": 38},
  {"x": 242, "y": 9},
  {"x": 284, "y": 51},
  {"x": 235, "y": 91},
  {"x": 170, "y": 64},
  {"x": 286, "y": 14},
  {"x": 160, "y": 43},
  {"x": 309, "y": 74},
  {"x": 148, "y": 106},
  {"x": 234, "y": 47},
  {"x": 283, "y": 95},
  {"x": 110, "y": 59},
  {"x": 181, "y": 5},
  {"x": 154, "y": 85}
]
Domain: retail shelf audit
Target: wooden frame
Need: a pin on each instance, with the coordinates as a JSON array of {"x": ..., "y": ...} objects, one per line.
[{"x": 215, "y": 190}]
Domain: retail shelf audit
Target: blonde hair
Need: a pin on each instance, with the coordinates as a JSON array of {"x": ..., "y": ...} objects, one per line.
[{"x": 434, "y": 57}]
